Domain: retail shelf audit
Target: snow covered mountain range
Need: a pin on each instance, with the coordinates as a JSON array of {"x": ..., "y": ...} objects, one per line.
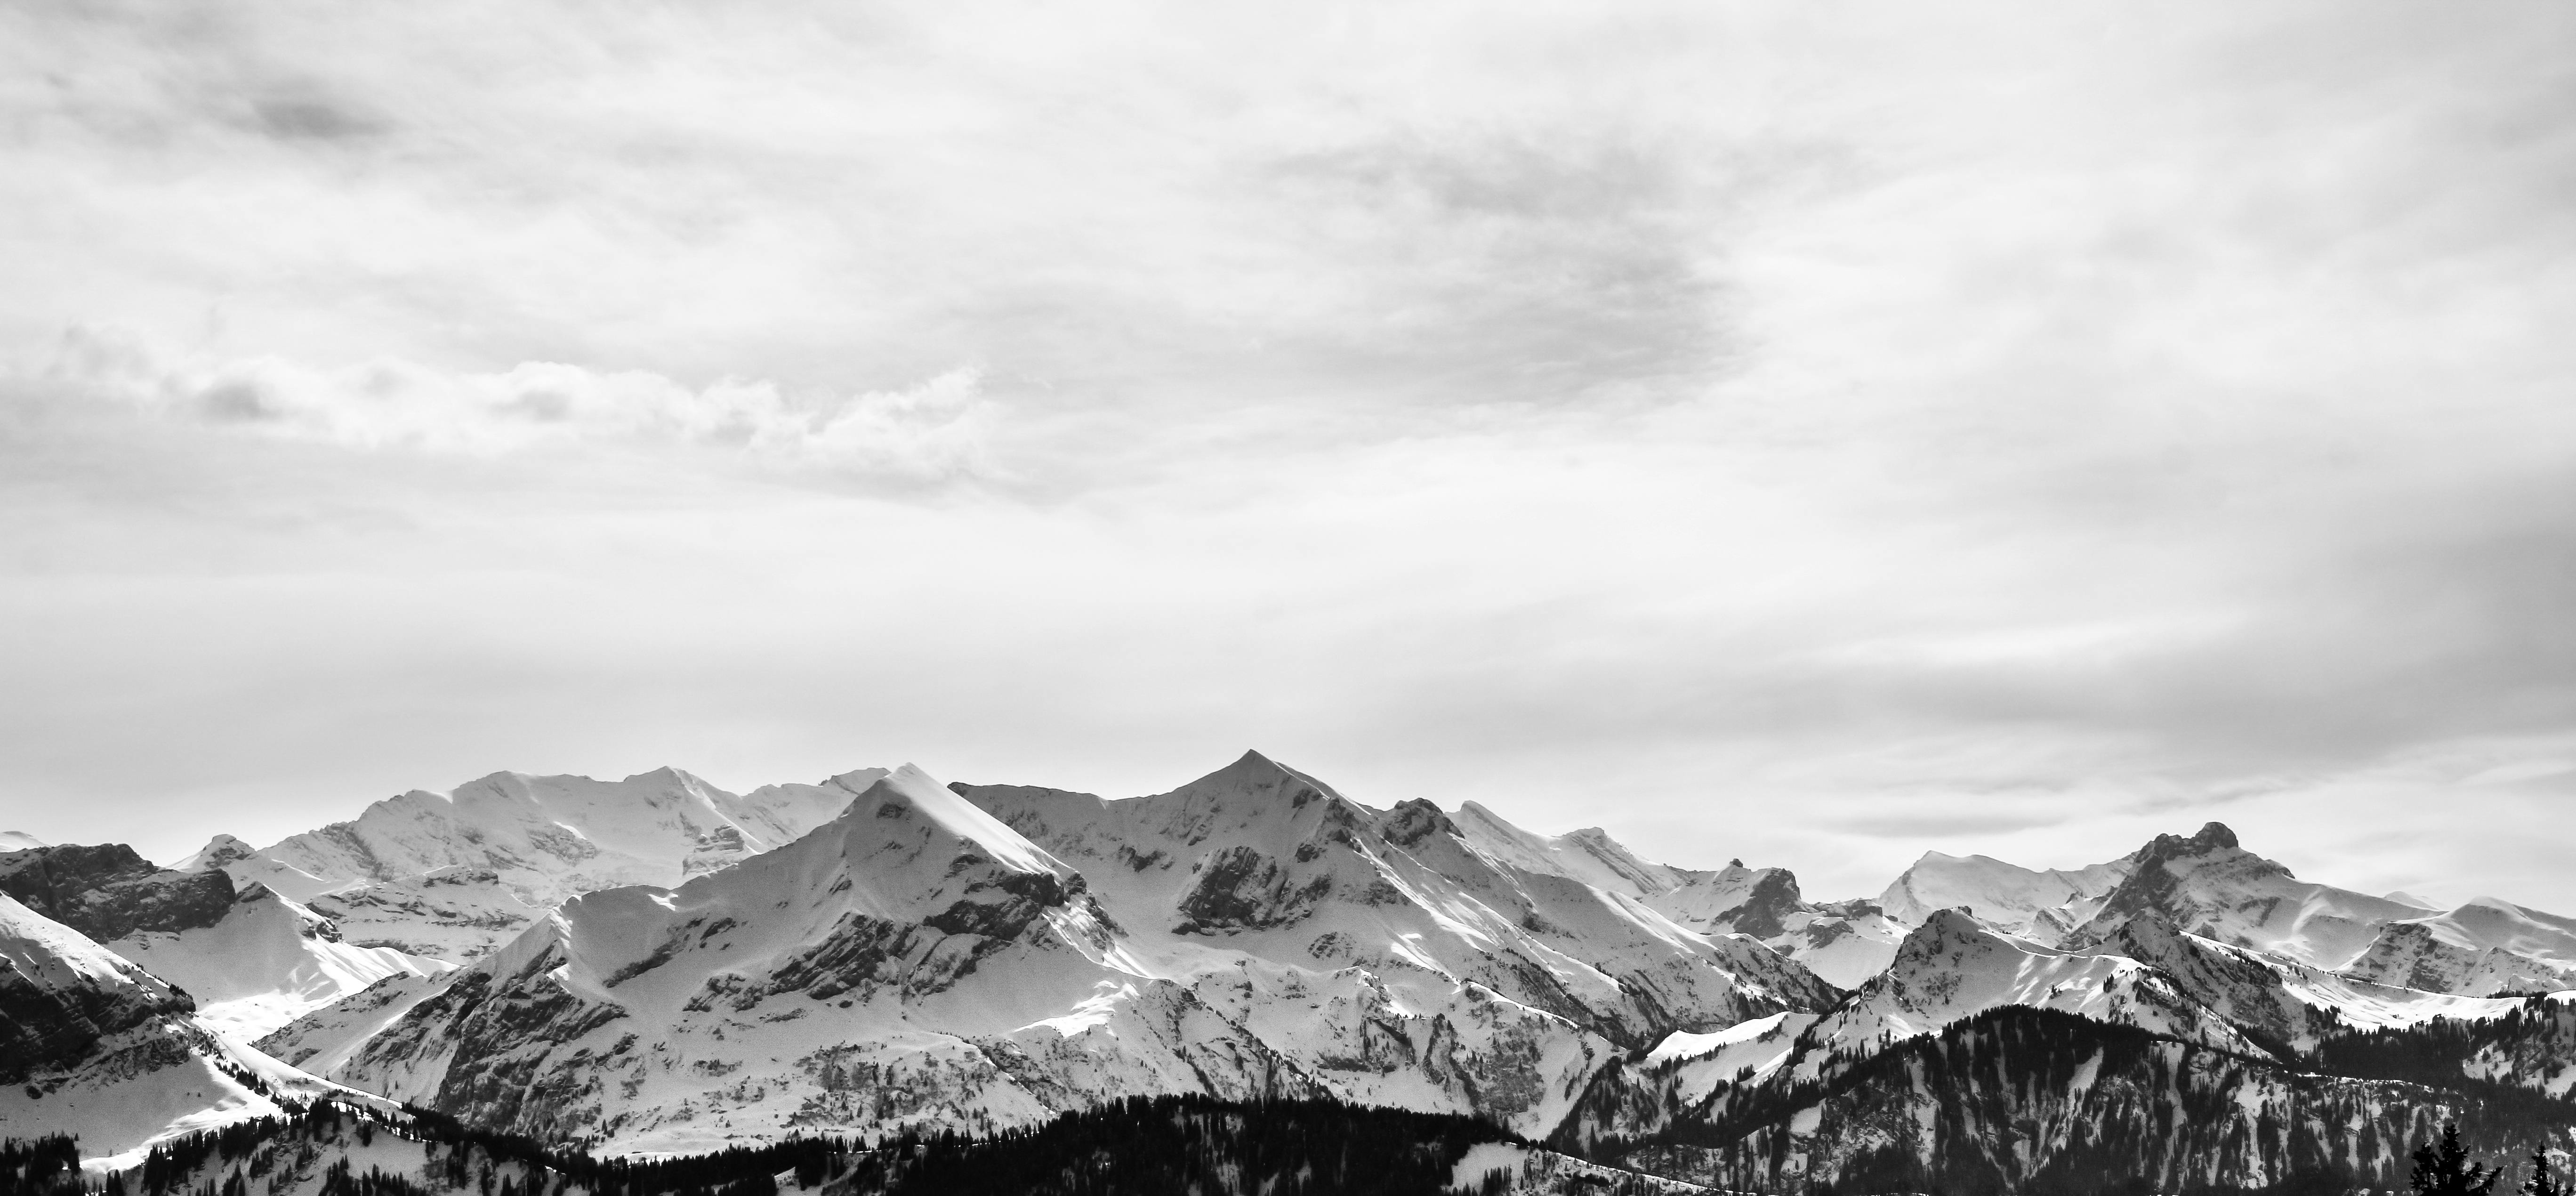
[{"x": 655, "y": 964}]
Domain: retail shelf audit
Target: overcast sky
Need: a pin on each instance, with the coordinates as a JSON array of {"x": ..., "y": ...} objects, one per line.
[{"x": 1814, "y": 433}]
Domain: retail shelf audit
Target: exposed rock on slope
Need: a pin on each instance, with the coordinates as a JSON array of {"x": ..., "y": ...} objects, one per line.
[
  {"x": 1952, "y": 967},
  {"x": 107, "y": 891},
  {"x": 251, "y": 960},
  {"x": 1261, "y": 858},
  {"x": 266, "y": 962},
  {"x": 1842, "y": 943},
  {"x": 92, "y": 1045},
  {"x": 2208, "y": 885},
  {"x": 62, "y": 994}
]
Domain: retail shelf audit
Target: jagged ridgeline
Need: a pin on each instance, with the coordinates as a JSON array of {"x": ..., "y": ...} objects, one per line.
[
  {"x": 1138, "y": 1147},
  {"x": 655, "y": 968}
]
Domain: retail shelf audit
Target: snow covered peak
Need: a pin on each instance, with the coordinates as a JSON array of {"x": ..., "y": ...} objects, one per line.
[
  {"x": 1953, "y": 966},
  {"x": 906, "y": 892},
  {"x": 2211, "y": 838},
  {"x": 909, "y": 790},
  {"x": 550, "y": 837},
  {"x": 1588, "y": 855},
  {"x": 218, "y": 851},
  {"x": 2209, "y": 886},
  {"x": 1943, "y": 931},
  {"x": 858, "y": 779},
  {"x": 2039, "y": 905},
  {"x": 1258, "y": 778}
]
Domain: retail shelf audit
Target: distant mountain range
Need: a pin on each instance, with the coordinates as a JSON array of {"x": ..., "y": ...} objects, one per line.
[{"x": 657, "y": 965}]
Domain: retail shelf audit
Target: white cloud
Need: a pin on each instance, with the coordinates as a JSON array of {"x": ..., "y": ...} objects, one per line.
[
  {"x": 1765, "y": 430},
  {"x": 934, "y": 431}
]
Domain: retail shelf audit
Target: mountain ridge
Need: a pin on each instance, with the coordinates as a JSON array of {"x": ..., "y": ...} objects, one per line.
[{"x": 970, "y": 958}]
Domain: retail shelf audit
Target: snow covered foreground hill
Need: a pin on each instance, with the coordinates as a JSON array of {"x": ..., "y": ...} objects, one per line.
[{"x": 94, "y": 1046}]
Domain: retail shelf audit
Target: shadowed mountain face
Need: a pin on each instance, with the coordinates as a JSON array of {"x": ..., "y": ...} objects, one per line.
[
  {"x": 108, "y": 892},
  {"x": 61, "y": 994},
  {"x": 92, "y": 1045}
]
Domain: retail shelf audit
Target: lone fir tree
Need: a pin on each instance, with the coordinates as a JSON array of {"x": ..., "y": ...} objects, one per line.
[
  {"x": 2449, "y": 1171},
  {"x": 2542, "y": 1183}
]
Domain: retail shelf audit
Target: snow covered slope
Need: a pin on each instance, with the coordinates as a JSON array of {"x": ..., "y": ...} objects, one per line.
[
  {"x": 1262, "y": 859},
  {"x": 2037, "y": 905},
  {"x": 251, "y": 960},
  {"x": 1589, "y": 855},
  {"x": 455, "y": 914},
  {"x": 1843, "y": 943},
  {"x": 455, "y": 875},
  {"x": 63, "y": 993},
  {"x": 550, "y": 838},
  {"x": 267, "y": 962},
  {"x": 1953, "y": 967},
  {"x": 92, "y": 1045},
  {"x": 920, "y": 960},
  {"x": 2209, "y": 886},
  {"x": 2485, "y": 947}
]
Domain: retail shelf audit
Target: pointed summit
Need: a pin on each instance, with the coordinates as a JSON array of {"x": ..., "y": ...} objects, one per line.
[
  {"x": 1253, "y": 785},
  {"x": 1253, "y": 771},
  {"x": 1941, "y": 930},
  {"x": 910, "y": 794},
  {"x": 218, "y": 851}
]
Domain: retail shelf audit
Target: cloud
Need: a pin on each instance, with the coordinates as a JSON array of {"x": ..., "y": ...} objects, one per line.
[
  {"x": 1758, "y": 430},
  {"x": 931, "y": 432}
]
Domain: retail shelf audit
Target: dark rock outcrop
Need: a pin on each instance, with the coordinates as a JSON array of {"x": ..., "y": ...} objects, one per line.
[{"x": 108, "y": 892}]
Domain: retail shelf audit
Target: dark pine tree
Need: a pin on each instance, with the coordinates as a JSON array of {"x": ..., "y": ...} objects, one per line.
[
  {"x": 2449, "y": 1171},
  {"x": 2542, "y": 1183}
]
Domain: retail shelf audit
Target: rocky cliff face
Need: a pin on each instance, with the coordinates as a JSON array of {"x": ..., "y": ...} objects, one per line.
[
  {"x": 108, "y": 892},
  {"x": 2418, "y": 955},
  {"x": 61, "y": 995}
]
